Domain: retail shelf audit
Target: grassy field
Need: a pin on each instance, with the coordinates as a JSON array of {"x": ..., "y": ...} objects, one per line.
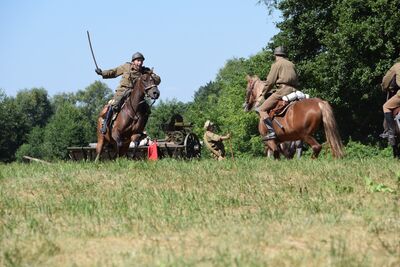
[{"x": 254, "y": 212}]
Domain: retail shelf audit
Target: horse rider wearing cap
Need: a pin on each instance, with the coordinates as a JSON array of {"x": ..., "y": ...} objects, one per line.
[
  {"x": 283, "y": 74},
  {"x": 214, "y": 142},
  {"x": 129, "y": 71}
]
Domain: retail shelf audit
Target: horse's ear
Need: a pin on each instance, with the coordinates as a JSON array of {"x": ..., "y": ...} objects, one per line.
[{"x": 248, "y": 77}]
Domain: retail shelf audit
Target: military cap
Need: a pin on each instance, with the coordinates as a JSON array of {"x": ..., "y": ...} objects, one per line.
[
  {"x": 280, "y": 51},
  {"x": 207, "y": 124}
]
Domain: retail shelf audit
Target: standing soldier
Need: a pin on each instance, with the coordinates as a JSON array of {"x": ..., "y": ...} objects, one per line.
[
  {"x": 214, "y": 142},
  {"x": 391, "y": 83},
  {"x": 283, "y": 74},
  {"x": 129, "y": 71}
]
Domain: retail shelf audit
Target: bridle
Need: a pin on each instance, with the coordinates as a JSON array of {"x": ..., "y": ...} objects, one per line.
[
  {"x": 146, "y": 99},
  {"x": 250, "y": 89}
]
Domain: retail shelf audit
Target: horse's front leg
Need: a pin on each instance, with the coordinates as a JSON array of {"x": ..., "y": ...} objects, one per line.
[
  {"x": 122, "y": 148},
  {"x": 99, "y": 149},
  {"x": 99, "y": 145},
  {"x": 273, "y": 146}
]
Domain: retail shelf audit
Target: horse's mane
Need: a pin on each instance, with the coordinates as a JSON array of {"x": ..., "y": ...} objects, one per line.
[{"x": 255, "y": 79}]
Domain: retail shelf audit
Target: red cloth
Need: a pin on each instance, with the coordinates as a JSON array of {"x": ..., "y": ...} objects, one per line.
[{"x": 152, "y": 151}]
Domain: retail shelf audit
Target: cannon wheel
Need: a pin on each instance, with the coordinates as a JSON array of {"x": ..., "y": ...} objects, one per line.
[
  {"x": 177, "y": 137},
  {"x": 192, "y": 146}
]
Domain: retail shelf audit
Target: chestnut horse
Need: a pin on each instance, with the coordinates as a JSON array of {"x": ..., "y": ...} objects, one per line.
[
  {"x": 131, "y": 120},
  {"x": 300, "y": 121}
]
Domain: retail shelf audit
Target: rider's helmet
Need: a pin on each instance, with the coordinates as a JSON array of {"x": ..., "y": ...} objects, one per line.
[
  {"x": 137, "y": 55},
  {"x": 207, "y": 124},
  {"x": 280, "y": 51}
]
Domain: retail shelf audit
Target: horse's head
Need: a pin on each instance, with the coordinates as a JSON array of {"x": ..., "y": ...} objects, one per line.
[
  {"x": 253, "y": 89},
  {"x": 150, "y": 85}
]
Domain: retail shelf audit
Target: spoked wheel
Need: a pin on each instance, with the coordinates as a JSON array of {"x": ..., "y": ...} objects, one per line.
[
  {"x": 177, "y": 137},
  {"x": 192, "y": 146}
]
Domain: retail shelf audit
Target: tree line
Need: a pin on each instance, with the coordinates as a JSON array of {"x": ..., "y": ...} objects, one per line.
[
  {"x": 341, "y": 49},
  {"x": 34, "y": 124}
]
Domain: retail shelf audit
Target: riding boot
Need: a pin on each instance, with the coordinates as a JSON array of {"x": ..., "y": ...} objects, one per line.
[
  {"x": 396, "y": 152},
  {"x": 271, "y": 132},
  {"x": 106, "y": 120},
  {"x": 391, "y": 132}
]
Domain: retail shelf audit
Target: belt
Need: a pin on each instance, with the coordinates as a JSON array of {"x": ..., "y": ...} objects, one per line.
[
  {"x": 281, "y": 84},
  {"x": 127, "y": 87}
]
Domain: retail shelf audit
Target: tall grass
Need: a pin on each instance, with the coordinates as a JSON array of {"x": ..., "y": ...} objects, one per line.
[{"x": 251, "y": 212}]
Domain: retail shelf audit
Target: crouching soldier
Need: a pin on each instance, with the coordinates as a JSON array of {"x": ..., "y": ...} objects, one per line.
[{"x": 214, "y": 142}]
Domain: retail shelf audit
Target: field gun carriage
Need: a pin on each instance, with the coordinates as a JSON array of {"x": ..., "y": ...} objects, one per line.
[{"x": 179, "y": 142}]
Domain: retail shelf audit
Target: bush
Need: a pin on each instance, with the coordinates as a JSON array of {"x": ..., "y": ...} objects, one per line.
[{"x": 359, "y": 150}]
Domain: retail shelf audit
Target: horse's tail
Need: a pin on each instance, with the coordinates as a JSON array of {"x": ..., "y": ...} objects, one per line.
[{"x": 331, "y": 130}]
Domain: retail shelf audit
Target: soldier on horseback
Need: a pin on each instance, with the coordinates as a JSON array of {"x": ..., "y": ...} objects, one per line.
[
  {"x": 391, "y": 84},
  {"x": 130, "y": 71},
  {"x": 283, "y": 74}
]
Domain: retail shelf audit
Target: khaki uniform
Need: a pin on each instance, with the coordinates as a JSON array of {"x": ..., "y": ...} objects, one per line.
[
  {"x": 129, "y": 74},
  {"x": 391, "y": 82},
  {"x": 283, "y": 73},
  {"x": 214, "y": 144}
]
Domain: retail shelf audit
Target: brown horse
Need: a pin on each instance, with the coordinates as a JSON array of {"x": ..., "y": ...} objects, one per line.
[
  {"x": 299, "y": 122},
  {"x": 131, "y": 120}
]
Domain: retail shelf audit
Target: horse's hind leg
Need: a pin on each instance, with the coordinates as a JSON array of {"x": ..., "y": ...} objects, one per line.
[
  {"x": 316, "y": 147},
  {"x": 299, "y": 148}
]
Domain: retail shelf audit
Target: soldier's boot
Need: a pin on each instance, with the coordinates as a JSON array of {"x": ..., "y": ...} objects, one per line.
[
  {"x": 391, "y": 132},
  {"x": 271, "y": 132},
  {"x": 106, "y": 120}
]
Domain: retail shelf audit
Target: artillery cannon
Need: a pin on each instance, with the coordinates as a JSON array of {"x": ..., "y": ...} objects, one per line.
[
  {"x": 179, "y": 142},
  {"x": 179, "y": 134}
]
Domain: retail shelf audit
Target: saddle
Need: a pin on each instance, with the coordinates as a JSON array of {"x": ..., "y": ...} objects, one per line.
[{"x": 280, "y": 109}]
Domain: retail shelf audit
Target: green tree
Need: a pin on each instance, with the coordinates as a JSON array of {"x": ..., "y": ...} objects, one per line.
[
  {"x": 58, "y": 100},
  {"x": 204, "y": 106},
  {"x": 35, "y": 105},
  {"x": 33, "y": 147},
  {"x": 12, "y": 131},
  {"x": 68, "y": 127},
  {"x": 161, "y": 114},
  {"x": 221, "y": 102},
  {"x": 91, "y": 101},
  {"x": 18, "y": 116}
]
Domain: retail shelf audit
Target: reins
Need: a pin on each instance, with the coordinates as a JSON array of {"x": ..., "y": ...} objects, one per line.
[{"x": 146, "y": 96}]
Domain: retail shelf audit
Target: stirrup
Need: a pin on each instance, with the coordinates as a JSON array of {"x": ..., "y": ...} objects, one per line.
[{"x": 384, "y": 135}]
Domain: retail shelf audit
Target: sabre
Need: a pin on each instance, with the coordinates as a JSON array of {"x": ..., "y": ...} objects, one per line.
[{"x": 91, "y": 49}]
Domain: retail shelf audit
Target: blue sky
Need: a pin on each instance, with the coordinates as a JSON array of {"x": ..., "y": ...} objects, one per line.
[{"x": 44, "y": 42}]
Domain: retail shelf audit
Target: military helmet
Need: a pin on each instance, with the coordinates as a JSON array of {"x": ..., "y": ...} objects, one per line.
[
  {"x": 137, "y": 55},
  {"x": 207, "y": 124},
  {"x": 280, "y": 51}
]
